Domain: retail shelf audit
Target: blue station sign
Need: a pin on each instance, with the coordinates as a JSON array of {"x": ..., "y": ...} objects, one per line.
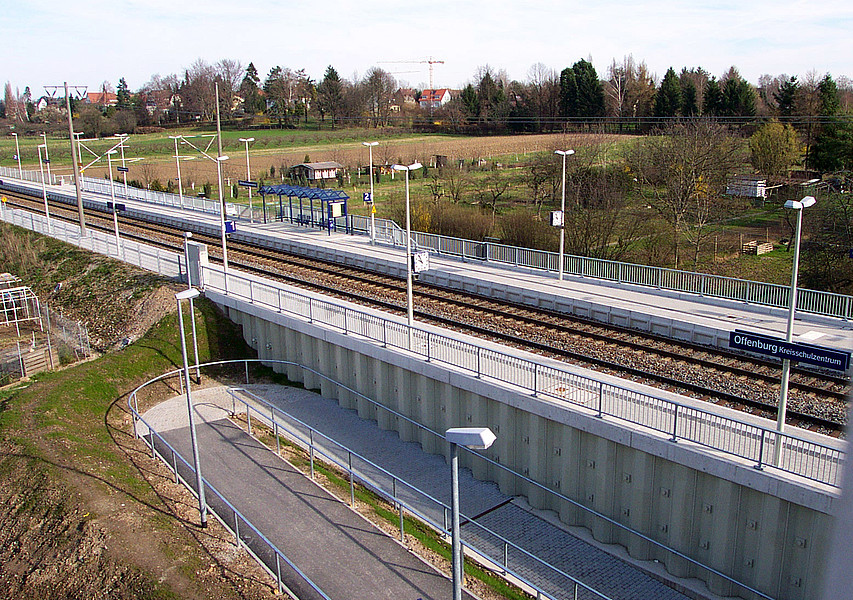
[
  {"x": 247, "y": 183},
  {"x": 797, "y": 352}
]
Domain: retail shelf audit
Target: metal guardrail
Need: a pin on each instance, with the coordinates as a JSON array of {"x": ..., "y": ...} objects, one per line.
[
  {"x": 32, "y": 176},
  {"x": 245, "y": 533},
  {"x": 399, "y": 492},
  {"x": 714, "y": 286},
  {"x": 753, "y": 443}
]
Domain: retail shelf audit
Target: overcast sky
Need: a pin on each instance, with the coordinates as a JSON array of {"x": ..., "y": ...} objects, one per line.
[{"x": 46, "y": 42}]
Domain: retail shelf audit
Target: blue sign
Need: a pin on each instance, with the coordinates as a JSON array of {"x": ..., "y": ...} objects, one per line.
[
  {"x": 230, "y": 226},
  {"x": 368, "y": 199},
  {"x": 118, "y": 207},
  {"x": 248, "y": 184},
  {"x": 793, "y": 351},
  {"x": 122, "y": 169}
]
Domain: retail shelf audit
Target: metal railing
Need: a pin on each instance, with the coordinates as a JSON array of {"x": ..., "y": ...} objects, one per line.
[
  {"x": 405, "y": 496},
  {"x": 32, "y": 176},
  {"x": 703, "y": 284},
  {"x": 246, "y": 535},
  {"x": 753, "y": 443}
]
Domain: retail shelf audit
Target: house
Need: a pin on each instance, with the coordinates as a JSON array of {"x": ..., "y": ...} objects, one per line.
[
  {"x": 434, "y": 98},
  {"x": 102, "y": 99},
  {"x": 316, "y": 171},
  {"x": 748, "y": 186},
  {"x": 403, "y": 97}
]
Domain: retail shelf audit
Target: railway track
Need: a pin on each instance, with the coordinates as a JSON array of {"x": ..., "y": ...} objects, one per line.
[{"x": 816, "y": 400}]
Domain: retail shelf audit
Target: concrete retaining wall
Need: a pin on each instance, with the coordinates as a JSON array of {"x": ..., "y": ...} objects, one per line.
[{"x": 766, "y": 531}]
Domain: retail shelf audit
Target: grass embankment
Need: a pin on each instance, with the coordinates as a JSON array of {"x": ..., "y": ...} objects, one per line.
[{"x": 84, "y": 511}]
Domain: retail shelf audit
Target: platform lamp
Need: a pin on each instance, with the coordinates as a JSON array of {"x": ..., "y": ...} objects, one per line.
[
  {"x": 473, "y": 438},
  {"x": 46, "y": 157},
  {"x": 564, "y": 154},
  {"x": 113, "y": 198},
  {"x": 18, "y": 156},
  {"x": 370, "y": 146},
  {"x": 799, "y": 206},
  {"x": 44, "y": 187},
  {"x": 409, "y": 300},
  {"x": 190, "y": 294},
  {"x": 249, "y": 177}
]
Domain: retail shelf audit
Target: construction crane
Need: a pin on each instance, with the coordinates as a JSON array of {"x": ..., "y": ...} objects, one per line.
[{"x": 431, "y": 61}]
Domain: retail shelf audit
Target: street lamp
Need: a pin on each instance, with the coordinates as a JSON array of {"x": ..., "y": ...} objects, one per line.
[
  {"x": 410, "y": 309},
  {"x": 474, "y": 438},
  {"x": 44, "y": 186},
  {"x": 797, "y": 205},
  {"x": 370, "y": 145},
  {"x": 46, "y": 157},
  {"x": 249, "y": 177},
  {"x": 122, "y": 137},
  {"x": 18, "y": 156},
  {"x": 564, "y": 154},
  {"x": 113, "y": 198},
  {"x": 189, "y": 294}
]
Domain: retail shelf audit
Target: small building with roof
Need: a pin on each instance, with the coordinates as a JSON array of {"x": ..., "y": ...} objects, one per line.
[{"x": 315, "y": 171}]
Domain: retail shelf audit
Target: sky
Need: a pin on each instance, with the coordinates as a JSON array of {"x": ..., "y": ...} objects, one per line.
[{"x": 87, "y": 42}]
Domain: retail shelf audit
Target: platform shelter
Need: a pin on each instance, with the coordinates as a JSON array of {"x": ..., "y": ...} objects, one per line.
[{"x": 308, "y": 206}]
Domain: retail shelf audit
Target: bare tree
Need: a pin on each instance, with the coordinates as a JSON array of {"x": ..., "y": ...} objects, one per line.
[
  {"x": 197, "y": 90},
  {"x": 686, "y": 170},
  {"x": 457, "y": 181},
  {"x": 230, "y": 75},
  {"x": 544, "y": 92},
  {"x": 379, "y": 87}
]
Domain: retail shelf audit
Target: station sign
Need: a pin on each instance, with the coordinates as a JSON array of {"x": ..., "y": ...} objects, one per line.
[
  {"x": 122, "y": 169},
  {"x": 827, "y": 358},
  {"x": 367, "y": 197},
  {"x": 557, "y": 218},
  {"x": 230, "y": 226},
  {"x": 247, "y": 183},
  {"x": 118, "y": 207}
]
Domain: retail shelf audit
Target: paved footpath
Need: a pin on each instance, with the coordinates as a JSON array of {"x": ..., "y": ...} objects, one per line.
[{"x": 287, "y": 506}]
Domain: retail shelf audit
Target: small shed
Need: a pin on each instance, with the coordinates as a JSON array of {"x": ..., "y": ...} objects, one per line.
[
  {"x": 316, "y": 171},
  {"x": 747, "y": 186}
]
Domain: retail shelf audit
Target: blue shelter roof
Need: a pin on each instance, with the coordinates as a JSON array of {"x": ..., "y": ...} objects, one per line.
[{"x": 298, "y": 191}]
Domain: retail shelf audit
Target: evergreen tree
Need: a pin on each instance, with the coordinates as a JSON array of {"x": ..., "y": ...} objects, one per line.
[
  {"x": 253, "y": 102},
  {"x": 330, "y": 95},
  {"x": 828, "y": 92},
  {"x": 469, "y": 100},
  {"x": 123, "y": 97},
  {"x": 786, "y": 98},
  {"x": 712, "y": 100},
  {"x": 689, "y": 99},
  {"x": 581, "y": 91},
  {"x": 833, "y": 148},
  {"x": 738, "y": 98},
  {"x": 668, "y": 98}
]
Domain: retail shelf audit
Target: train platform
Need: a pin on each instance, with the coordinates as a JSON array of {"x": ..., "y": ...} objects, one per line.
[{"x": 701, "y": 319}]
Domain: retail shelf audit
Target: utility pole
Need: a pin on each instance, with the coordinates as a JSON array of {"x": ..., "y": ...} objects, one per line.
[{"x": 74, "y": 157}]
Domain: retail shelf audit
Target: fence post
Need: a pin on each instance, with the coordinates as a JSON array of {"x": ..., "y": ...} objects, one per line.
[
  {"x": 402, "y": 526},
  {"x": 478, "y": 362},
  {"x": 236, "y": 530},
  {"x": 674, "y": 437},
  {"x": 351, "y": 482},
  {"x": 760, "y": 465},
  {"x": 535, "y": 379},
  {"x": 600, "y": 400},
  {"x": 428, "y": 356},
  {"x": 247, "y": 374},
  {"x": 174, "y": 465},
  {"x": 311, "y": 450}
]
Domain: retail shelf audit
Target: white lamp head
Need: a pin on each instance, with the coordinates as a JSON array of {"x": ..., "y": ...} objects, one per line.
[
  {"x": 801, "y": 204},
  {"x": 187, "y": 294},
  {"x": 475, "y": 438}
]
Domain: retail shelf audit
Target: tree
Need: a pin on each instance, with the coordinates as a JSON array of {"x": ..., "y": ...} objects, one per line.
[
  {"x": 825, "y": 264},
  {"x": 828, "y": 93},
  {"x": 581, "y": 92},
  {"x": 686, "y": 170},
  {"x": 712, "y": 99},
  {"x": 738, "y": 97},
  {"x": 491, "y": 96},
  {"x": 786, "y": 98},
  {"x": 774, "y": 148},
  {"x": 543, "y": 94},
  {"x": 229, "y": 74},
  {"x": 833, "y": 147},
  {"x": 668, "y": 98},
  {"x": 253, "y": 102},
  {"x": 379, "y": 87},
  {"x": 470, "y": 102},
  {"x": 123, "y": 99},
  {"x": 330, "y": 95},
  {"x": 689, "y": 99}
]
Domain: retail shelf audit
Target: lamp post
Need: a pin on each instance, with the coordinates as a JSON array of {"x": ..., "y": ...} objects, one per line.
[
  {"x": 46, "y": 157},
  {"x": 113, "y": 198},
  {"x": 797, "y": 205},
  {"x": 370, "y": 146},
  {"x": 18, "y": 156},
  {"x": 409, "y": 301},
  {"x": 44, "y": 187},
  {"x": 249, "y": 177},
  {"x": 122, "y": 137},
  {"x": 189, "y": 294},
  {"x": 474, "y": 438},
  {"x": 178, "y": 166},
  {"x": 564, "y": 154}
]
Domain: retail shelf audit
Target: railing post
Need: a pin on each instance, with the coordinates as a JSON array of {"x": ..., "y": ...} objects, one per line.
[
  {"x": 428, "y": 357},
  {"x": 351, "y": 482},
  {"x": 275, "y": 433},
  {"x": 249, "y": 418},
  {"x": 384, "y": 333},
  {"x": 236, "y": 530},
  {"x": 506, "y": 557},
  {"x": 535, "y": 379},
  {"x": 402, "y": 526},
  {"x": 278, "y": 572},
  {"x": 251, "y": 293},
  {"x": 311, "y": 450},
  {"x": 478, "y": 362},
  {"x": 346, "y": 331},
  {"x": 760, "y": 465},
  {"x": 247, "y": 374},
  {"x": 175, "y": 465},
  {"x": 600, "y": 400},
  {"x": 310, "y": 310},
  {"x": 674, "y": 437}
]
